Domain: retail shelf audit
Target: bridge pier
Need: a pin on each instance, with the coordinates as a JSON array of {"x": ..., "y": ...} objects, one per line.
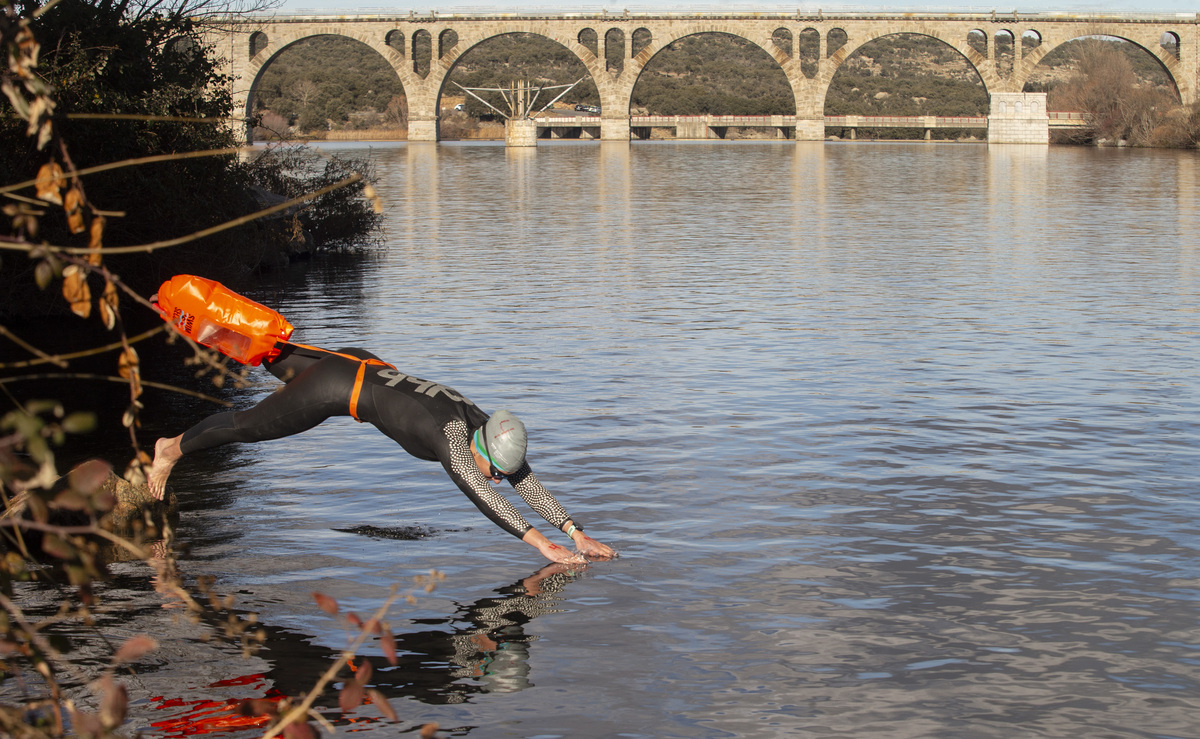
[
  {"x": 614, "y": 129},
  {"x": 1018, "y": 118},
  {"x": 422, "y": 129},
  {"x": 520, "y": 132},
  {"x": 691, "y": 128},
  {"x": 810, "y": 129}
]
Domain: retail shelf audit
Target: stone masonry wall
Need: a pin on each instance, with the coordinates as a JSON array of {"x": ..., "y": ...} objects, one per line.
[{"x": 1018, "y": 118}]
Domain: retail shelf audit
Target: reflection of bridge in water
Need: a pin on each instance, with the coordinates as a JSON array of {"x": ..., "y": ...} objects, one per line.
[
  {"x": 1004, "y": 49},
  {"x": 782, "y": 126}
]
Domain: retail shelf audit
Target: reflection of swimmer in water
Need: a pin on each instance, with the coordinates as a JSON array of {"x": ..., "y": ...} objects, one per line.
[
  {"x": 485, "y": 650},
  {"x": 481, "y": 647},
  {"x": 494, "y": 649},
  {"x": 430, "y": 421}
]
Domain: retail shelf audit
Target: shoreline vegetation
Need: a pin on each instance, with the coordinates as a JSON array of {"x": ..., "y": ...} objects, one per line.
[
  {"x": 118, "y": 170},
  {"x": 1121, "y": 87}
]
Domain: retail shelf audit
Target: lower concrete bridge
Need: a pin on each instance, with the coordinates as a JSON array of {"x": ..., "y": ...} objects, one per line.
[{"x": 551, "y": 126}]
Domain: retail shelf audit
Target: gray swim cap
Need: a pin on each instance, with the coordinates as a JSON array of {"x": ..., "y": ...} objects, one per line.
[{"x": 503, "y": 441}]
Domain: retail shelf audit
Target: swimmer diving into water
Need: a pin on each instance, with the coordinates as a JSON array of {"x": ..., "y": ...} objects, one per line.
[{"x": 430, "y": 421}]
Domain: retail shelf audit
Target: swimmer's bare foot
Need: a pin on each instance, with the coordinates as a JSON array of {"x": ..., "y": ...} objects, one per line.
[{"x": 166, "y": 454}]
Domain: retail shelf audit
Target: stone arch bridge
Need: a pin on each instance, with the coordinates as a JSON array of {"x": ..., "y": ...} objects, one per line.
[{"x": 423, "y": 49}]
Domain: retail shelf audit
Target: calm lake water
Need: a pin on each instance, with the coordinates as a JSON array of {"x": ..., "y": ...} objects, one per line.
[{"x": 893, "y": 439}]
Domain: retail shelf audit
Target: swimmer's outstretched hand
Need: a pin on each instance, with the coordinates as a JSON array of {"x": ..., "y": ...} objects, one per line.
[
  {"x": 562, "y": 555},
  {"x": 592, "y": 549},
  {"x": 551, "y": 551}
]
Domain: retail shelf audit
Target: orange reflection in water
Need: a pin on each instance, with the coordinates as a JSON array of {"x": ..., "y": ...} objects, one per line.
[{"x": 207, "y": 716}]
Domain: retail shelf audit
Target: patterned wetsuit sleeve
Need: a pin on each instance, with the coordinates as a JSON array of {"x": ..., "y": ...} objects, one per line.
[
  {"x": 471, "y": 481},
  {"x": 538, "y": 497}
]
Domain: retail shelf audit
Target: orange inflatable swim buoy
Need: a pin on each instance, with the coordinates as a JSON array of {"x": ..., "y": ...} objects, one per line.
[{"x": 219, "y": 318}]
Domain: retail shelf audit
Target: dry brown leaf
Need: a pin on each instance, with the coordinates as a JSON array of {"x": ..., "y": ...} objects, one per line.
[
  {"x": 16, "y": 97},
  {"x": 71, "y": 500},
  {"x": 46, "y": 130},
  {"x": 362, "y": 676},
  {"x": 85, "y": 724},
  {"x": 327, "y": 604},
  {"x": 96, "y": 240},
  {"x": 108, "y": 305},
  {"x": 29, "y": 47},
  {"x": 135, "y": 648},
  {"x": 429, "y": 731},
  {"x": 388, "y": 642},
  {"x": 130, "y": 416},
  {"x": 127, "y": 363},
  {"x": 76, "y": 290},
  {"x": 299, "y": 730},
  {"x": 50, "y": 181},
  {"x": 382, "y": 704},
  {"x": 73, "y": 205},
  {"x": 127, "y": 367},
  {"x": 43, "y": 273},
  {"x": 96, "y": 233},
  {"x": 114, "y": 704},
  {"x": 135, "y": 471},
  {"x": 350, "y": 697},
  {"x": 87, "y": 478},
  {"x": 56, "y": 546},
  {"x": 108, "y": 315}
]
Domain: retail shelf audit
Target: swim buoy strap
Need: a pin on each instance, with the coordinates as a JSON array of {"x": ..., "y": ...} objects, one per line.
[
  {"x": 358, "y": 377},
  {"x": 358, "y": 380}
]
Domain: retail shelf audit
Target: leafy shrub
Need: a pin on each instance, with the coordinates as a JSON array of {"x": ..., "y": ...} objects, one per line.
[
  {"x": 339, "y": 219},
  {"x": 1117, "y": 99}
]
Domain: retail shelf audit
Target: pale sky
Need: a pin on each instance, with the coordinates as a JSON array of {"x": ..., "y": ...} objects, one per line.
[{"x": 403, "y": 7}]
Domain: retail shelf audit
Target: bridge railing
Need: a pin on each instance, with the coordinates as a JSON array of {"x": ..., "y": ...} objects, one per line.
[
  {"x": 767, "y": 121},
  {"x": 483, "y": 13},
  {"x": 1058, "y": 119},
  {"x": 902, "y": 121}
]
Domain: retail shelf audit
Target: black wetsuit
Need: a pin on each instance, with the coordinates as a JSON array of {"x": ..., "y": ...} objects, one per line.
[{"x": 430, "y": 421}]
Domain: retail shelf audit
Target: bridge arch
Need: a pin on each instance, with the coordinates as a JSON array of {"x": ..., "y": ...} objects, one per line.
[
  {"x": 578, "y": 49},
  {"x": 951, "y": 62},
  {"x": 1167, "y": 60},
  {"x": 272, "y": 48},
  {"x": 773, "y": 52},
  {"x": 977, "y": 61},
  {"x": 655, "y": 45},
  {"x": 574, "y": 39}
]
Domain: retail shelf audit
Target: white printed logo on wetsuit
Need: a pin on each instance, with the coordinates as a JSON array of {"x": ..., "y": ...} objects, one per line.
[{"x": 431, "y": 389}]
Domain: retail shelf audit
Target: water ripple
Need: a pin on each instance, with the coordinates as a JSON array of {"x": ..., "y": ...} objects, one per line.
[{"x": 896, "y": 440}]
